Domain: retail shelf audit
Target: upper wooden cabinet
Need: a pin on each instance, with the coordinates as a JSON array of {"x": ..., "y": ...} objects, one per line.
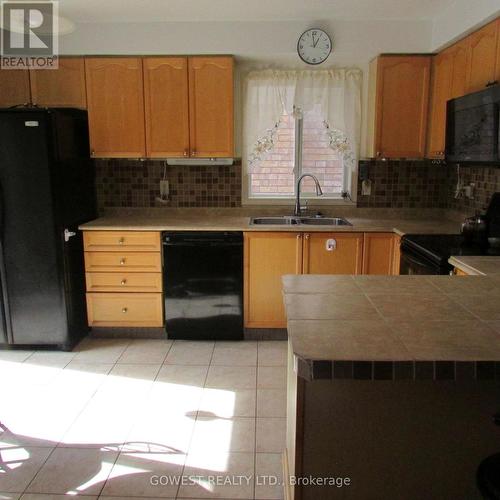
[
  {"x": 482, "y": 56},
  {"x": 62, "y": 87},
  {"x": 14, "y": 87},
  {"x": 398, "y": 105},
  {"x": 448, "y": 82},
  {"x": 211, "y": 106},
  {"x": 333, "y": 253},
  {"x": 166, "y": 105},
  {"x": 116, "y": 107}
]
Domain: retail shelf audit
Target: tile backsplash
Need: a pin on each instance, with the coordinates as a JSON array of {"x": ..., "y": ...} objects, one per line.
[
  {"x": 396, "y": 184},
  {"x": 134, "y": 183}
]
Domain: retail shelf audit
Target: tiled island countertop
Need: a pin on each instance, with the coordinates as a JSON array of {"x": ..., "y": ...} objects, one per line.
[{"x": 390, "y": 327}]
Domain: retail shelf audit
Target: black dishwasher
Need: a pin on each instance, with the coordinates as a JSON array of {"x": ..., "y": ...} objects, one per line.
[{"x": 203, "y": 284}]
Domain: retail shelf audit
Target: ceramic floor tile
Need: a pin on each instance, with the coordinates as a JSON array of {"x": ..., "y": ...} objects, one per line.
[
  {"x": 9, "y": 496},
  {"x": 194, "y": 375},
  {"x": 146, "y": 351},
  {"x": 271, "y": 377},
  {"x": 270, "y": 435},
  {"x": 134, "y": 474},
  {"x": 166, "y": 433},
  {"x": 19, "y": 466},
  {"x": 215, "y": 463},
  {"x": 228, "y": 403},
  {"x": 126, "y": 379},
  {"x": 185, "y": 352},
  {"x": 272, "y": 353},
  {"x": 74, "y": 470},
  {"x": 17, "y": 356},
  {"x": 271, "y": 403},
  {"x": 235, "y": 354},
  {"x": 223, "y": 434},
  {"x": 269, "y": 476},
  {"x": 232, "y": 377},
  {"x": 100, "y": 350},
  {"x": 170, "y": 398}
]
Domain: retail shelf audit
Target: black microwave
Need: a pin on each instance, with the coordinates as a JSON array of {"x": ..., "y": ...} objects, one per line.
[{"x": 472, "y": 127}]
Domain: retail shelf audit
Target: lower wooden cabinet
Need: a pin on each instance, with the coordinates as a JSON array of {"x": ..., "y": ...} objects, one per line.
[
  {"x": 378, "y": 253},
  {"x": 333, "y": 253},
  {"x": 124, "y": 278},
  {"x": 267, "y": 257},
  {"x": 125, "y": 309}
]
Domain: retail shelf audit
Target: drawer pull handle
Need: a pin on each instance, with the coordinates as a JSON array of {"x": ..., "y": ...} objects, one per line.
[
  {"x": 122, "y": 262},
  {"x": 124, "y": 310},
  {"x": 121, "y": 241},
  {"x": 123, "y": 282}
]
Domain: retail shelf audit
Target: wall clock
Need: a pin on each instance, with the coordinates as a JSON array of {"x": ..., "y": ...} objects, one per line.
[{"x": 314, "y": 46}]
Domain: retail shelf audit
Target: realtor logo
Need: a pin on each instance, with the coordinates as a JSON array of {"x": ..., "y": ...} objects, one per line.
[{"x": 29, "y": 35}]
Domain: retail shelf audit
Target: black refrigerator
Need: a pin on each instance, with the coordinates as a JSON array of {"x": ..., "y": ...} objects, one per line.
[{"x": 46, "y": 190}]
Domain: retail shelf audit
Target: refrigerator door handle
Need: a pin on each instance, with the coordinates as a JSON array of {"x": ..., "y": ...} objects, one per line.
[{"x": 68, "y": 234}]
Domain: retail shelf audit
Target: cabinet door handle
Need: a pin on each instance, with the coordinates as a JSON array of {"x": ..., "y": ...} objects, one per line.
[
  {"x": 186, "y": 152},
  {"x": 307, "y": 236},
  {"x": 299, "y": 236},
  {"x": 193, "y": 152},
  {"x": 92, "y": 153}
]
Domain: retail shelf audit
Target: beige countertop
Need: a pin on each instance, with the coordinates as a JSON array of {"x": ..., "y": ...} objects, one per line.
[
  {"x": 393, "y": 318},
  {"x": 215, "y": 222},
  {"x": 478, "y": 265}
]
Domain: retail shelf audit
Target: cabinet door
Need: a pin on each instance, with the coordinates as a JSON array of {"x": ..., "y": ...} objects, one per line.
[
  {"x": 333, "y": 253},
  {"x": 211, "y": 106},
  {"x": 497, "y": 71},
  {"x": 401, "y": 107},
  {"x": 116, "y": 107},
  {"x": 268, "y": 256},
  {"x": 442, "y": 79},
  {"x": 62, "y": 87},
  {"x": 459, "y": 54},
  {"x": 378, "y": 253},
  {"x": 481, "y": 57},
  {"x": 166, "y": 105},
  {"x": 14, "y": 87},
  {"x": 396, "y": 263}
]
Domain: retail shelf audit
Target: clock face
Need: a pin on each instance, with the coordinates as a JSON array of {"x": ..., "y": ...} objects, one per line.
[{"x": 314, "y": 46}]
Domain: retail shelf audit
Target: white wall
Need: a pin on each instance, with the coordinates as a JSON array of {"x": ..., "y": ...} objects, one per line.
[
  {"x": 460, "y": 18},
  {"x": 255, "y": 44}
]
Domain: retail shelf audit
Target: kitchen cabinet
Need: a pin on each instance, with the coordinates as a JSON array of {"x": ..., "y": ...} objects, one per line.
[
  {"x": 211, "y": 106},
  {"x": 396, "y": 263},
  {"x": 123, "y": 272},
  {"x": 398, "y": 103},
  {"x": 459, "y": 272},
  {"x": 14, "y": 87},
  {"x": 166, "y": 106},
  {"x": 63, "y": 87},
  {"x": 482, "y": 56},
  {"x": 267, "y": 257},
  {"x": 497, "y": 65},
  {"x": 115, "y": 100},
  {"x": 378, "y": 253},
  {"x": 332, "y": 253},
  {"x": 448, "y": 82}
]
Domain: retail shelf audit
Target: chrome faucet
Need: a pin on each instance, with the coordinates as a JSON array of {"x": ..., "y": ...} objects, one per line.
[{"x": 319, "y": 192}]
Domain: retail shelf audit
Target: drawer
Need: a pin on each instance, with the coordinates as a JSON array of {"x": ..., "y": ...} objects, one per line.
[
  {"x": 132, "y": 241},
  {"x": 124, "y": 282},
  {"x": 132, "y": 262},
  {"x": 125, "y": 309}
]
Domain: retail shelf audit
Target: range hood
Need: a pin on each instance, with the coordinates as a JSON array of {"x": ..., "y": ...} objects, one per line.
[{"x": 200, "y": 161}]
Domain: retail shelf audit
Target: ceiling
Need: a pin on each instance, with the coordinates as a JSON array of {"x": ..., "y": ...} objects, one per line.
[{"x": 98, "y": 11}]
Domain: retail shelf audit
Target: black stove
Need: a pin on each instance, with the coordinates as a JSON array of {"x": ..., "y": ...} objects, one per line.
[{"x": 429, "y": 253}]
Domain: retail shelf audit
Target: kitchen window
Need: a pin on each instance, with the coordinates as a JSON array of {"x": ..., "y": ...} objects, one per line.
[{"x": 301, "y": 107}]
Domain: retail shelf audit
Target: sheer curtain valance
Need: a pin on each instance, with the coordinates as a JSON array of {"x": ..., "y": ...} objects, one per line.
[{"x": 269, "y": 94}]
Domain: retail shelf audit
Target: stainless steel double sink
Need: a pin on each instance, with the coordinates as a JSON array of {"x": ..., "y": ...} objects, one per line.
[{"x": 290, "y": 220}]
